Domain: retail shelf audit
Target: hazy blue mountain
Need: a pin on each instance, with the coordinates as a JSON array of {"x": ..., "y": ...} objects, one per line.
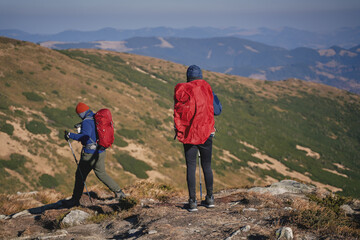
[
  {"x": 286, "y": 37},
  {"x": 335, "y": 66}
]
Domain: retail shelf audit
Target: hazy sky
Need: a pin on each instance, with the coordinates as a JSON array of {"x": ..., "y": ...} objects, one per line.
[{"x": 53, "y": 16}]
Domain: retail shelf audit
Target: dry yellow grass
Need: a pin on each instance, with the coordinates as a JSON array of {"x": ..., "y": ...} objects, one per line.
[{"x": 10, "y": 204}]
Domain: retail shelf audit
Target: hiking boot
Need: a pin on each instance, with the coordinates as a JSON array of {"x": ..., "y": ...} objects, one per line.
[
  {"x": 69, "y": 203},
  {"x": 119, "y": 195},
  {"x": 192, "y": 205},
  {"x": 209, "y": 201}
]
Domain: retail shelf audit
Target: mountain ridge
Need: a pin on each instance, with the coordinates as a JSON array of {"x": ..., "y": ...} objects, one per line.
[
  {"x": 334, "y": 66},
  {"x": 286, "y": 37},
  {"x": 268, "y": 131}
]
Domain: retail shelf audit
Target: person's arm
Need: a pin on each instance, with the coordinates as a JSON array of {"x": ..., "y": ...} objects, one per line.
[
  {"x": 217, "y": 105},
  {"x": 85, "y": 133}
]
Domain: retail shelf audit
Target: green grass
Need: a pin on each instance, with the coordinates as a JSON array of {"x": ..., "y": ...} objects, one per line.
[
  {"x": 31, "y": 96},
  {"x": 133, "y": 165},
  {"x": 151, "y": 122},
  {"x": 309, "y": 119},
  {"x": 119, "y": 141},
  {"x": 164, "y": 104},
  {"x": 123, "y": 72},
  {"x": 48, "y": 181},
  {"x": 6, "y": 128},
  {"x": 10, "y": 184},
  {"x": 4, "y": 102},
  {"x": 129, "y": 133},
  {"x": 62, "y": 118},
  {"x": 37, "y": 127},
  {"x": 16, "y": 163}
]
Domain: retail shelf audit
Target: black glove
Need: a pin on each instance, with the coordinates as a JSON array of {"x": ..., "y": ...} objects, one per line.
[{"x": 66, "y": 135}]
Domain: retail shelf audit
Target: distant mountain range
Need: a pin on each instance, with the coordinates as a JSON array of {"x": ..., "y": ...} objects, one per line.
[
  {"x": 285, "y": 37},
  {"x": 329, "y": 58},
  {"x": 335, "y": 66}
]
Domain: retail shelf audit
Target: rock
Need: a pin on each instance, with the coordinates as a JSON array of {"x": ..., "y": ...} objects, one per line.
[
  {"x": 245, "y": 228},
  {"x": 27, "y": 193},
  {"x": 75, "y": 217},
  {"x": 356, "y": 204},
  {"x": 285, "y": 186},
  {"x": 347, "y": 209},
  {"x": 249, "y": 210},
  {"x": 152, "y": 232},
  {"x": 284, "y": 233},
  {"x": 132, "y": 231},
  {"x": 61, "y": 234},
  {"x": 242, "y": 229},
  {"x": 135, "y": 231},
  {"x": 233, "y": 234}
]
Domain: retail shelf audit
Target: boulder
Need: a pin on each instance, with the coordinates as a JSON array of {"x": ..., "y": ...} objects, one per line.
[
  {"x": 75, "y": 217},
  {"x": 285, "y": 186},
  {"x": 284, "y": 233}
]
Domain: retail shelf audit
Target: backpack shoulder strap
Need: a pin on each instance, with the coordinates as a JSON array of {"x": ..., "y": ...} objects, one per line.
[{"x": 92, "y": 118}]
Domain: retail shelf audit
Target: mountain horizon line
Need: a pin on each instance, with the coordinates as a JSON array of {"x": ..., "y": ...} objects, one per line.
[{"x": 287, "y": 37}]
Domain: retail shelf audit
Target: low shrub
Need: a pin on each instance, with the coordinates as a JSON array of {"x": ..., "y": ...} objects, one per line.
[
  {"x": 4, "y": 102},
  {"x": 48, "y": 181},
  {"x": 31, "y": 96},
  {"x": 133, "y": 165},
  {"x": 16, "y": 161},
  {"x": 332, "y": 202},
  {"x": 61, "y": 118},
  {"x": 7, "y": 128},
  {"x": 325, "y": 216},
  {"x": 127, "y": 203},
  {"x": 119, "y": 141},
  {"x": 129, "y": 133},
  {"x": 37, "y": 127}
]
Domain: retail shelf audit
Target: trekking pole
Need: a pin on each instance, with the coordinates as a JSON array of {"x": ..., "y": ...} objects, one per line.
[
  {"x": 82, "y": 178},
  {"x": 200, "y": 175}
]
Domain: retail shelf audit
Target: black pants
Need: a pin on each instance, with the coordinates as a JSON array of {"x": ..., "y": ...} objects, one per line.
[
  {"x": 190, "y": 156},
  {"x": 87, "y": 163}
]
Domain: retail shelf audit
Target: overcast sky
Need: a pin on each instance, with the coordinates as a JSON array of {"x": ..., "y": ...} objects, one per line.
[{"x": 53, "y": 16}]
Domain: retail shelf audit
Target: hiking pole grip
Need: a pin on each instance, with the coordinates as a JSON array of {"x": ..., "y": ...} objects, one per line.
[{"x": 78, "y": 167}]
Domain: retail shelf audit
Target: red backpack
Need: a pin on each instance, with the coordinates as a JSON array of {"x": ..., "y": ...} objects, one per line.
[
  {"x": 193, "y": 112},
  {"x": 104, "y": 127}
]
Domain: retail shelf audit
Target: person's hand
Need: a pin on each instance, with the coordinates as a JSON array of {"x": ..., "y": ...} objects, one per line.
[{"x": 66, "y": 135}]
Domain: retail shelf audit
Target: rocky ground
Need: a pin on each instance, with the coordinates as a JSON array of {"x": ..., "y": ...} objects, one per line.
[{"x": 258, "y": 213}]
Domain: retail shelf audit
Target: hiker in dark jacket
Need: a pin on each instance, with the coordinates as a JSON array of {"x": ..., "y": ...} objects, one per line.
[
  {"x": 194, "y": 110},
  {"x": 92, "y": 157}
]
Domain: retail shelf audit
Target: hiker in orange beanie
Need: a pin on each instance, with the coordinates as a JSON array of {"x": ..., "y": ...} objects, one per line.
[{"x": 92, "y": 157}]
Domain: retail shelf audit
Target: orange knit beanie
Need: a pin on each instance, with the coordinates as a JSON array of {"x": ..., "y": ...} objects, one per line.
[{"x": 81, "y": 107}]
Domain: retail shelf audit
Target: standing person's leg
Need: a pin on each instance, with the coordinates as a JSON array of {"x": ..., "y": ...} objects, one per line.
[
  {"x": 206, "y": 156},
  {"x": 98, "y": 164},
  {"x": 81, "y": 174},
  {"x": 190, "y": 156}
]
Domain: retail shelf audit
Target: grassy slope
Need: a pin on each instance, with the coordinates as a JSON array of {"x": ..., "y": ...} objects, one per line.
[{"x": 272, "y": 116}]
